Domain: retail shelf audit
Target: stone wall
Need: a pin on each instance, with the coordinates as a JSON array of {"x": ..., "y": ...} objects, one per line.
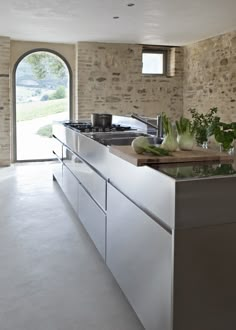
[
  {"x": 4, "y": 101},
  {"x": 210, "y": 76},
  {"x": 110, "y": 80}
]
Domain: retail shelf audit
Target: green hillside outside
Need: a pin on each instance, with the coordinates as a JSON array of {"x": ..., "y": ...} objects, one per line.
[{"x": 33, "y": 110}]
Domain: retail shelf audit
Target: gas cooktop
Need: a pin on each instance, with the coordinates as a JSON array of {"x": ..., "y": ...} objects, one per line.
[{"x": 86, "y": 127}]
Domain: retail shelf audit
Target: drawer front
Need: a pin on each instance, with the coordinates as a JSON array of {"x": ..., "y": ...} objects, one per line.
[
  {"x": 93, "y": 219},
  {"x": 70, "y": 187},
  {"x": 139, "y": 254},
  {"x": 57, "y": 170},
  {"x": 93, "y": 182},
  {"x": 57, "y": 147}
]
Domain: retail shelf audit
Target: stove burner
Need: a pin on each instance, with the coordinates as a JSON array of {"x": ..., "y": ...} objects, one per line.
[
  {"x": 78, "y": 125},
  {"x": 86, "y": 127}
]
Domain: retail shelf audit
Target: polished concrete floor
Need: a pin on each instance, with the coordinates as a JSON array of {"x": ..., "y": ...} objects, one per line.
[{"x": 51, "y": 275}]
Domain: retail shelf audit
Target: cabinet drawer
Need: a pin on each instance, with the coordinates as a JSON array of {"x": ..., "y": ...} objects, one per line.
[
  {"x": 70, "y": 187},
  {"x": 57, "y": 148},
  {"x": 139, "y": 254},
  {"x": 57, "y": 170},
  {"x": 92, "y": 181},
  {"x": 93, "y": 219}
]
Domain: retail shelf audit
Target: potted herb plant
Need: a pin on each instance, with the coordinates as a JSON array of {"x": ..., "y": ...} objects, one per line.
[
  {"x": 202, "y": 124},
  {"x": 225, "y": 134}
]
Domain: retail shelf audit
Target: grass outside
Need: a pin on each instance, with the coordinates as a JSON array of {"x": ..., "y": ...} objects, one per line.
[
  {"x": 45, "y": 131},
  {"x": 33, "y": 110}
]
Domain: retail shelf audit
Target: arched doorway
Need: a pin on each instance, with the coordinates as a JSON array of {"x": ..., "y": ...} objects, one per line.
[{"x": 42, "y": 83}]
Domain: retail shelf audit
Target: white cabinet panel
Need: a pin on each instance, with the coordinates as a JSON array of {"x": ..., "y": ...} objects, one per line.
[
  {"x": 93, "y": 219},
  {"x": 139, "y": 256}
]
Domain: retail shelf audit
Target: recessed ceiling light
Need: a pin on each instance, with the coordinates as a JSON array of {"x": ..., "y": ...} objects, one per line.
[
  {"x": 130, "y": 4},
  {"x": 116, "y": 17}
]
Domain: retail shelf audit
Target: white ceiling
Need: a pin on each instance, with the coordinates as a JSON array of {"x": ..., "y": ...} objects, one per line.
[{"x": 163, "y": 22}]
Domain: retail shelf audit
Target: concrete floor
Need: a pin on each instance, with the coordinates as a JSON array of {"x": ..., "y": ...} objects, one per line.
[
  {"x": 51, "y": 275},
  {"x": 30, "y": 145}
]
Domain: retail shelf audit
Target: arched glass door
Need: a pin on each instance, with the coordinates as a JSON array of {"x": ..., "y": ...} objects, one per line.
[{"x": 42, "y": 95}]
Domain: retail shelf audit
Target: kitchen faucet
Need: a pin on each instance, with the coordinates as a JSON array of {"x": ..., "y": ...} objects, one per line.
[{"x": 158, "y": 127}]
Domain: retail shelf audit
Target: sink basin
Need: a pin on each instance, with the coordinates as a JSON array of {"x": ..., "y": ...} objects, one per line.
[
  {"x": 118, "y": 138},
  {"x": 126, "y": 141},
  {"x": 113, "y": 135}
]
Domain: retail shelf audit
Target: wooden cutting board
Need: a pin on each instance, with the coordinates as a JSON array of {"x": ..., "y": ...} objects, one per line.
[{"x": 197, "y": 155}]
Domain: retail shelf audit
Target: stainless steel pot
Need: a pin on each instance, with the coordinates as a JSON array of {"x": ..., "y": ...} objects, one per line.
[{"x": 103, "y": 120}]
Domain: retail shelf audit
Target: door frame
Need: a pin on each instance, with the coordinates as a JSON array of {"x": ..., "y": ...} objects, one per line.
[{"x": 32, "y": 51}]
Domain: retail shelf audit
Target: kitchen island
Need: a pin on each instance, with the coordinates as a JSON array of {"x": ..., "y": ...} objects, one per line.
[{"x": 168, "y": 234}]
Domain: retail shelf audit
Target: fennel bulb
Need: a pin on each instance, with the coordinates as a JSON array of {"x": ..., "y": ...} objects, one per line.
[
  {"x": 169, "y": 143},
  {"x": 141, "y": 144},
  {"x": 185, "y": 136},
  {"x": 186, "y": 141}
]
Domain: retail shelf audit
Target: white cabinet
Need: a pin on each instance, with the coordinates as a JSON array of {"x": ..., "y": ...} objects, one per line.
[
  {"x": 87, "y": 176},
  {"x": 139, "y": 254},
  {"x": 70, "y": 187},
  {"x": 57, "y": 163},
  {"x": 93, "y": 219},
  {"x": 85, "y": 191}
]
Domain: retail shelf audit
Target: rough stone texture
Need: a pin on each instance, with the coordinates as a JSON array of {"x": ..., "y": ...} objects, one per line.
[
  {"x": 110, "y": 80},
  {"x": 4, "y": 101},
  {"x": 210, "y": 76}
]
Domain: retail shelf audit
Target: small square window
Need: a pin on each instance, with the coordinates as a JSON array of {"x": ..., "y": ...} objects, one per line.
[{"x": 153, "y": 62}]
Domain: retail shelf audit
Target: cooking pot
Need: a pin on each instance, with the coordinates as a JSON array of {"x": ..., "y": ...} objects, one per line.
[{"x": 103, "y": 120}]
